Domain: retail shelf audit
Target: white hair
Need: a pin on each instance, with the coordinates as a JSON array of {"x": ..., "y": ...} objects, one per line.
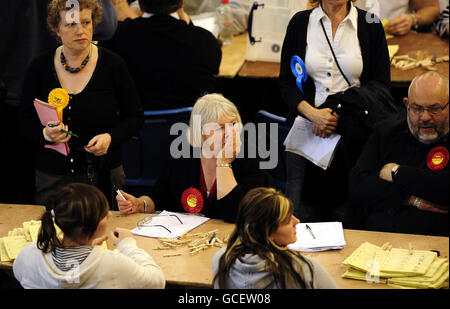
[{"x": 209, "y": 109}]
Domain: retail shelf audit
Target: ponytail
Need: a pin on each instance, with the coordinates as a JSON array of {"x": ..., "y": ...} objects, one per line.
[{"x": 47, "y": 238}]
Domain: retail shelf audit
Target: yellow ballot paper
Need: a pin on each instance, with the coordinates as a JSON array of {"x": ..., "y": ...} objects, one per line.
[
  {"x": 393, "y": 49},
  {"x": 400, "y": 268},
  {"x": 384, "y": 22}
]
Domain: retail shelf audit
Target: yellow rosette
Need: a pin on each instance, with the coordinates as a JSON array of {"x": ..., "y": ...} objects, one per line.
[{"x": 60, "y": 98}]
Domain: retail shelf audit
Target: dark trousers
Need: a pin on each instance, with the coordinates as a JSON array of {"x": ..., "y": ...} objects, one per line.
[{"x": 47, "y": 184}]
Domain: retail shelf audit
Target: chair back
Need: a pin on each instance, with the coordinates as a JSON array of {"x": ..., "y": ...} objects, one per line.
[{"x": 146, "y": 153}]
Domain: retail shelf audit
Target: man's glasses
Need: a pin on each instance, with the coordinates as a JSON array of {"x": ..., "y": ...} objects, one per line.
[{"x": 433, "y": 110}]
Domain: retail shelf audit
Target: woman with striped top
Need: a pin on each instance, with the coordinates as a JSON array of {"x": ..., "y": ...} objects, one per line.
[
  {"x": 76, "y": 260},
  {"x": 442, "y": 23}
]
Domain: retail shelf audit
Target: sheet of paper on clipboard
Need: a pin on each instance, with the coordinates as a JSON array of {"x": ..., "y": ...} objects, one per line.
[{"x": 47, "y": 113}]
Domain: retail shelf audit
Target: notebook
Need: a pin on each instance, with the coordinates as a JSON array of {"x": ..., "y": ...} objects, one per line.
[
  {"x": 328, "y": 236},
  {"x": 47, "y": 113}
]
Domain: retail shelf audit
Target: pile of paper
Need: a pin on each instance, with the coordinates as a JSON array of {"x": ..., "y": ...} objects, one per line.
[
  {"x": 320, "y": 237},
  {"x": 401, "y": 268},
  {"x": 18, "y": 238},
  {"x": 302, "y": 141}
]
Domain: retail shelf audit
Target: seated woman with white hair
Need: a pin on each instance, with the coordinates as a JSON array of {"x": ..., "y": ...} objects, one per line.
[{"x": 213, "y": 182}]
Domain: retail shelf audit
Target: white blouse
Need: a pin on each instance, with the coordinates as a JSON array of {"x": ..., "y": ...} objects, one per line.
[{"x": 319, "y": 61}]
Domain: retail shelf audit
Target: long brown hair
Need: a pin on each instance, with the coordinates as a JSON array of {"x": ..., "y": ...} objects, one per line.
[
  {"x": 78, "y": 208},
  {"x": 261, "y": 212}
]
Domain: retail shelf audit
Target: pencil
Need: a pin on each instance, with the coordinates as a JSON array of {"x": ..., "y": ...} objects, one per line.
[{"x": 64, "y": 131}]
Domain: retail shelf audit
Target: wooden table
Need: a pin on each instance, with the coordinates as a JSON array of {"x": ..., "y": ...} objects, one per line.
[
  {"x": 195, "y": 271},
  {"x": 233, "y": 56},
  {"x": 424, "y": 44},
  {"x": 419, "y": 46}
]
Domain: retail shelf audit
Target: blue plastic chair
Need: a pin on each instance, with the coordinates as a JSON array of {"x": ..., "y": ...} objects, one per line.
[
  {"x": 146, "y": 153},
  {"x": 279, "y": 172}
]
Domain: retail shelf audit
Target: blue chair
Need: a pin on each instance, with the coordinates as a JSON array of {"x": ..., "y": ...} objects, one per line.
[
  {"x": 279, "y": 172},
  {"x": 146, "y": 153}
]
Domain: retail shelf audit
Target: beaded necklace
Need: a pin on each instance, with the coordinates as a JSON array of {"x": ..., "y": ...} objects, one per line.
[{"x": 74, "y": 70}]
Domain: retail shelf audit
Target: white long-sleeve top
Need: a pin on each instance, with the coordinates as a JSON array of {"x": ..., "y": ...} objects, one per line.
[{"x": 127, "y": 267}]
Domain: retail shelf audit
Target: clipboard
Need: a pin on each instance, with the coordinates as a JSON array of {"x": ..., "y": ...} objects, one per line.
[{"x": 47, "y": 113}]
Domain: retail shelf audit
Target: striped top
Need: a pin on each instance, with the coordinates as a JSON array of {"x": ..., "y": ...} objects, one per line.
[
  {"x": 442, "y": 23},
  {"x": 67, "y": 259}
]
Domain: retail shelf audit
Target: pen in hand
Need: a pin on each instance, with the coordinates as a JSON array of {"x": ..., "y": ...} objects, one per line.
[
  {"x": 310, "y": 231},
  {"x": 119, "y": 193},
  {"x": 62, "y": 130}
]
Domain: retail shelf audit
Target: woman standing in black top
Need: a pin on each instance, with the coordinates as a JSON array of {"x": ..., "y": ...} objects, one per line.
[
  {"x": 103, "y": 110},
  {"x": 346, "y": 58}
]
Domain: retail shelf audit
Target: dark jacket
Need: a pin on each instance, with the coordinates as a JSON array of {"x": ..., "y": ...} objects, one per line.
[
  {"x": 381, "y": 204},
  {"x": 108, "y": 104},
  {"x": 172, "y": 63}
]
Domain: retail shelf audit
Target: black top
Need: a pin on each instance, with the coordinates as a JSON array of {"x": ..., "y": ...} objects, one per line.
[
  {"x": 108, "y": 104},
  {"x": 374, "y": 51},
  {"x": 172, "y": 63},
  {"x": 182, "y": 174},
  {"x": 385, "y": 200},
  {"x": 25, "y": 35}
]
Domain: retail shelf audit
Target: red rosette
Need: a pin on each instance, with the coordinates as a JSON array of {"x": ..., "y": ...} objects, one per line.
[
  {"x": 192, "y": 200},
  {"x": 437, "y": 158}
]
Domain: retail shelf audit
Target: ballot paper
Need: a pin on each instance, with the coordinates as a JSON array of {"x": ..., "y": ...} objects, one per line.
[
  {"x": 397, "y": 267},
  {"x": 166, "y": 225},
  {"x": 327, "y": 236},
  {"x": 302, "y": 141}
]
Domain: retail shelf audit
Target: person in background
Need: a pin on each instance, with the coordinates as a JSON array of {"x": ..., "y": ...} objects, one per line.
[
  {"x": 172, "y": 62},
  {"x": 25, "y": 36},
  {"x": 257, "y": 256},
  {"x": 400, "y": 182},
  {"x": 360, "y": 85},
  {"x": 77, "y": 261},
  {"x": 212, "y": 172},
  {"x": 442, "y": 23},
  {"x": 403, "y": 15},
  {"x": 103, "y": 109}
]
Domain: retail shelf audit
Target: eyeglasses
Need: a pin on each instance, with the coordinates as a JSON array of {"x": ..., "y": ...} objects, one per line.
[
  {"x": 90, "y": 168},
  {"x": 148, "y": 219},
  {"x": 433, "y": 110}
]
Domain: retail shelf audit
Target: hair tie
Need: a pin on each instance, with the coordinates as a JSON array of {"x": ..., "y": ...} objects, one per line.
[{"x": 52, "y": 212}]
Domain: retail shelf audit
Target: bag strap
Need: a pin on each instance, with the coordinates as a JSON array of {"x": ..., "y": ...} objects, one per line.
[{"x": 334, "y": 56}]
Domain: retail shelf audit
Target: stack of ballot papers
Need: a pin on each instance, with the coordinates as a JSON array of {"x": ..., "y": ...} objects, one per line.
[
  {"x": 302, "y": 141},
  {"x": 323, "y": 236},
  {"x": 400, "y": 268},
  {"x": 18, "y": 238}
]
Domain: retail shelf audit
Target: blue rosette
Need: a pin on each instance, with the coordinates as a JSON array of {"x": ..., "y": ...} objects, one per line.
[{"x": 299, "y": 70}]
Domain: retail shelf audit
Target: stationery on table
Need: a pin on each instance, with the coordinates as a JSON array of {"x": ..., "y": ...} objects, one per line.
[
  {"x": 302, "y": 141},
  {"x": 319, "y": 236},
  {"x": 47, "y": 113},
  {"x": 168, "y": 224}
]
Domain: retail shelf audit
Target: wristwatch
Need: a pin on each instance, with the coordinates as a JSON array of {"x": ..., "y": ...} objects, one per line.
[
  {"x": 415, "y": 22},
  {"x": 394, "y": 172}
]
